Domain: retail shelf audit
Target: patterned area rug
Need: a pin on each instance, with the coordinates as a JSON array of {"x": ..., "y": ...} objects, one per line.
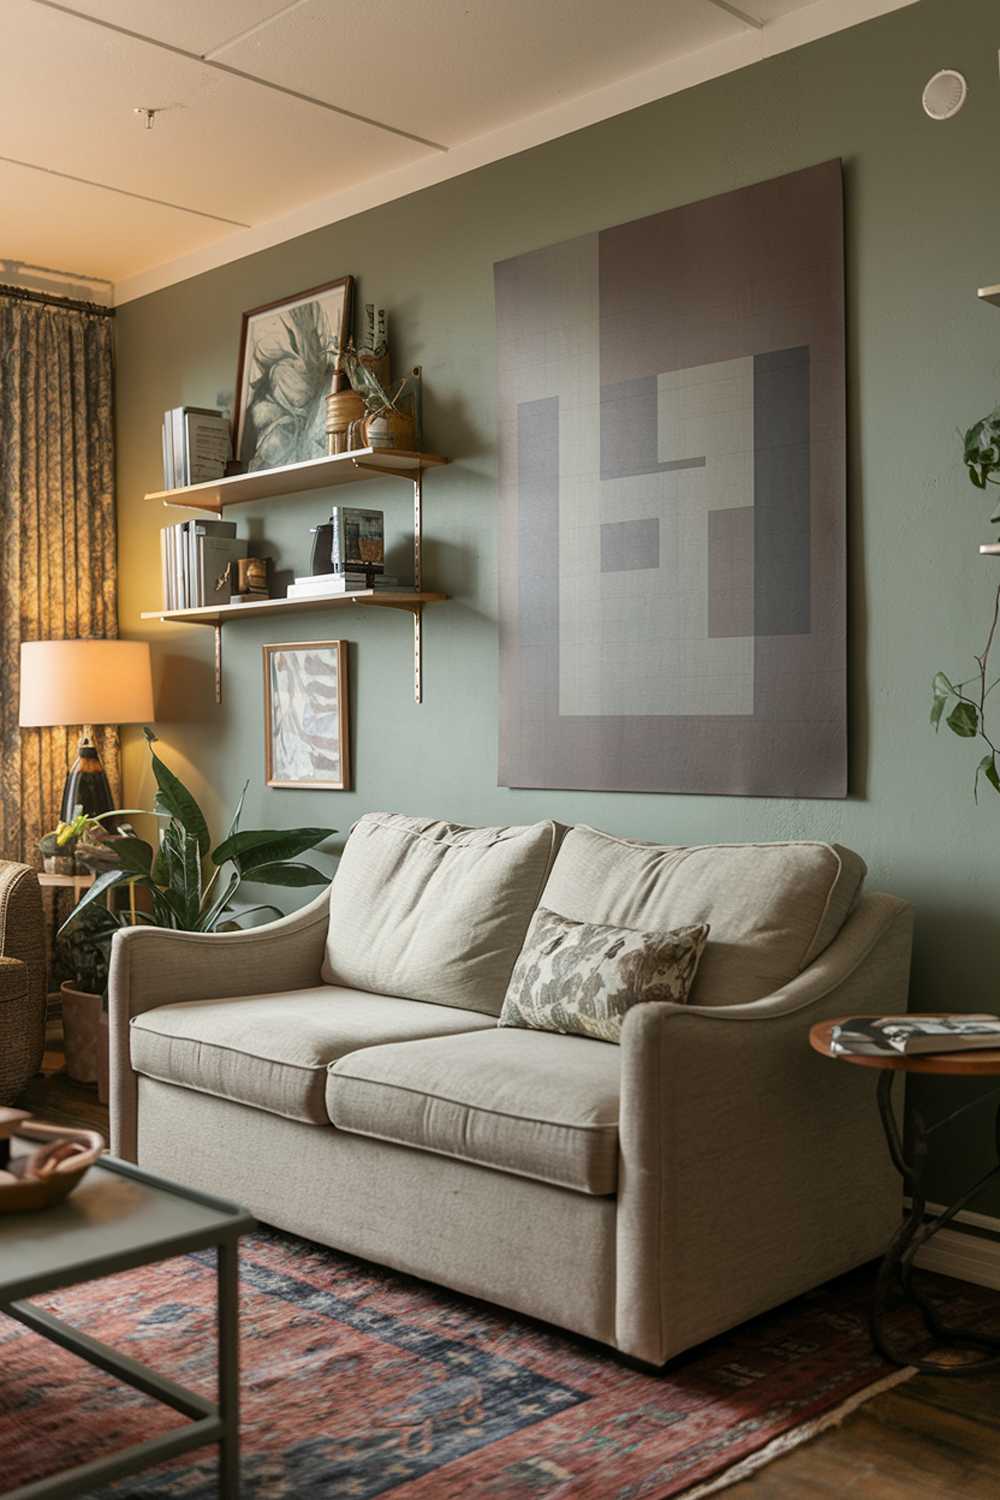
[{"x": 359, "y": 1383}]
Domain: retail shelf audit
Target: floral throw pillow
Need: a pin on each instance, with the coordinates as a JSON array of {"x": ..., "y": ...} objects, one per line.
[{"x": 581, "y": 978}]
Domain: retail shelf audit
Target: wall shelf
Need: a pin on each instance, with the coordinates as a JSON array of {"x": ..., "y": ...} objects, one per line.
[
  {"x": 989, "y": 549},
  {"x": 293, "y": 479},
  {"x": 990, "y": 294}
]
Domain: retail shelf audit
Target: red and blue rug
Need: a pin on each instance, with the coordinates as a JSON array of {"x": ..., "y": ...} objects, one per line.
[{"x": 360, "y": 1383}]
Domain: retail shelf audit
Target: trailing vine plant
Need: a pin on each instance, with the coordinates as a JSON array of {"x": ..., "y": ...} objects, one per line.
[{"x": 966, "y": 701}]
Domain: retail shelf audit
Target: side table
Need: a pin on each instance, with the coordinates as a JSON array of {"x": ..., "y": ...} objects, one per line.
[{"x": 894, "y": 1286}]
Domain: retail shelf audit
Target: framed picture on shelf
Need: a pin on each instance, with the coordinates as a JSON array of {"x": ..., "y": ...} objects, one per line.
[
  {"x": 283, "y": 375},
  {"x": 305, "y": 715}
]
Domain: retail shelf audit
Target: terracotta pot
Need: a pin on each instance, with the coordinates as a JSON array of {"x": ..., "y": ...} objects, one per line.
[{"x": 81, "y": 1029}]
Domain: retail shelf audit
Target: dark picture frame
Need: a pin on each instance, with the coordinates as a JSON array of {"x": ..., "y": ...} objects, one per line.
[{"x": 283, "y": 375}]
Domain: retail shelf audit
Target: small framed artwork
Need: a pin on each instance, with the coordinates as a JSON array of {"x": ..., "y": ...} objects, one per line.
[
  {"x": 283, "y": 375},
  {"x": 305, "y": 715}
]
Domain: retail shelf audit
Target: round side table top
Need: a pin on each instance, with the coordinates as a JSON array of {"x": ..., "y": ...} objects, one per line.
[{"x": 981, "y": 1064}]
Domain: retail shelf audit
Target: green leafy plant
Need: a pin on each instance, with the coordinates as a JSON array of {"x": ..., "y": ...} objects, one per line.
[
  {"x": 966, "y": 716},
  {"x": 981, "y": 450},
  {"x": 191, "y": 886}
]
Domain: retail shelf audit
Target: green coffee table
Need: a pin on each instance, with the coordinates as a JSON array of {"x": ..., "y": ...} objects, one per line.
[{"x": 119, "y": 1218}]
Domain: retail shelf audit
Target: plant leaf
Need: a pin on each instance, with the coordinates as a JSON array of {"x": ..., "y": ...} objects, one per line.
[
  {"x": 268, "y": 846},
  {"x": 174, "y": 798},
  {"x": 286, "y": 873},
  {"x": 101, "y": 885},
  {"x": 208, "y": 920},
  {"x": 133, "y": 854},
  {"x": 963, "y": 720}
]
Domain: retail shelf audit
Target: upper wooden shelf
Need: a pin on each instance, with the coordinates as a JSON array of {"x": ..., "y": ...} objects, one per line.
[
  {"x": 292, "y": 479},
  {"x": 989, "y": 549},
  {"x": 990, "y": 294}
]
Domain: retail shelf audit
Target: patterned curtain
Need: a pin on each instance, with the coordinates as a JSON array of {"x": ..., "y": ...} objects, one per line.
[{"x": 57, "y": 541}]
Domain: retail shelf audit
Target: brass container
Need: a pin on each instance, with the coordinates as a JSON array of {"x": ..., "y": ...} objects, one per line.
[
  {"x": 391, "y": 429},
  {"x": 342, "y": 408}
]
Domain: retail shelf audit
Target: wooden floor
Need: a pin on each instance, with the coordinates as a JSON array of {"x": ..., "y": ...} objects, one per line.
[{"x": 934, "y": 1438}]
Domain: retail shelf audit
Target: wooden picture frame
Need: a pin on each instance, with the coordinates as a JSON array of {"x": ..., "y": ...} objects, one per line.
[
  {"x": 283, "y": 373},
  {"x": 306, "y": 737}
]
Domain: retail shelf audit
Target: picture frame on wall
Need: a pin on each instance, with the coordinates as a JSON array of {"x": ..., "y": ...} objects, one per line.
[
  {"x": 306, "y": 737},
  {"x": 283, "y": 375}
]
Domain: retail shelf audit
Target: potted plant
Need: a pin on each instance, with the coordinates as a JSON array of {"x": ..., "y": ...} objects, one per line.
[
  {"x": 59, "y": 848},
  {"x": 184, "y": 883},
  {"x": 84, "y": 951}
]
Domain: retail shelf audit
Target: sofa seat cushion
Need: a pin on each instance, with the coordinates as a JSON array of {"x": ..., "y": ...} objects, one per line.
[
  {"x": 434, "y": 911},
  {"x": 772, "y": 908},
  {"x": 272, "y": 1051},
  {"x": 527, "y": 1102}
]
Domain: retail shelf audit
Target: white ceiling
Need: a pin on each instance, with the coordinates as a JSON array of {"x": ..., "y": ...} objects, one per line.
[{"x": 279, "y": 116}]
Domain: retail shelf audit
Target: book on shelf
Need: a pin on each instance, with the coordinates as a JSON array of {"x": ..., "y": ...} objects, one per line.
[
  {"x": 913, "y": 1036},
  {"x": 197, "y": 560},
  {"x": 197, "y": 445},
  {"x": 326, "y": 585}
]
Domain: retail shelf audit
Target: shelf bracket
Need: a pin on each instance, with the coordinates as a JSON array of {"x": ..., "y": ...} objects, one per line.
[{"x": 217, "y": 632}]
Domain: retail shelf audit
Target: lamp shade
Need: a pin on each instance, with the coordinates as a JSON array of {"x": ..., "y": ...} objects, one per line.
[{"x": 85, "y": 682}]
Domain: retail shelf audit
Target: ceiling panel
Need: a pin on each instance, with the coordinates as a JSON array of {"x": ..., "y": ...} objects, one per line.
[
  {"x": 221, "y": 145},
  {"x": 195, "y": 25},
  {"x": 453, "y": 69},
  {"x": 47, "y": 221}
]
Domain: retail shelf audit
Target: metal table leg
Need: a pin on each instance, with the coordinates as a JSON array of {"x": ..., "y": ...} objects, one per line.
[
  {"x": 229, "y": 1369},
  {"x": 895, "y": 1287}
]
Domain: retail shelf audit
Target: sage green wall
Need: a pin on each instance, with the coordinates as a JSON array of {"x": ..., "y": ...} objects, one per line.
[{"x": 923, "y": 231}]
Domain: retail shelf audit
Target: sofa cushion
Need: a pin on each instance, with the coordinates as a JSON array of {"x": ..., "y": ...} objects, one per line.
[
  {"x": 582, "y": 978},
  {"x": 772, "y": 908},
  {"x": 527, "y": 1102},
  {"x": 433, "y": 911},
  {"x": 272, "y": 1051}
]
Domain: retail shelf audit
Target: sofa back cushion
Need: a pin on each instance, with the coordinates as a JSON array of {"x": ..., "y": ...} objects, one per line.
[
  {"x": 432, "y": 911},
  {"x": 772, "y": 908}
]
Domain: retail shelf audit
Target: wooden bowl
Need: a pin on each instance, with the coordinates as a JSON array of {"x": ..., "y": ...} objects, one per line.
[{"x": 39, "y": 1179}]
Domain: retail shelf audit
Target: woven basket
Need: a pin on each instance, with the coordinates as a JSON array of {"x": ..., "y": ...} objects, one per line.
[{"x": 342, "y": 408}]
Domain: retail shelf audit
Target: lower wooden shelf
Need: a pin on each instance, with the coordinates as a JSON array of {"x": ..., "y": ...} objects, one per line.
[{"x": 218, "y": 615}]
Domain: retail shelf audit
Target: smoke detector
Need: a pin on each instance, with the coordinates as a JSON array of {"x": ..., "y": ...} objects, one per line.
[{"x": 944, "y": 94}]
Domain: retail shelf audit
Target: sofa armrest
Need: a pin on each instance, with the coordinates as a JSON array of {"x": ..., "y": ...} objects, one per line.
[
  {"x": 152, "y": 966},
  {"x": 751, "y": 1168}
]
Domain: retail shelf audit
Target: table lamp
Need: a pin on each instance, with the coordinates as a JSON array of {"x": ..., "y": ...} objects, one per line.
[{"x": 85, "y": 682}]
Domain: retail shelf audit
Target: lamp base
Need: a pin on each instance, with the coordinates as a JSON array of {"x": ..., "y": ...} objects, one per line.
[{"x": 87, "y": 787}]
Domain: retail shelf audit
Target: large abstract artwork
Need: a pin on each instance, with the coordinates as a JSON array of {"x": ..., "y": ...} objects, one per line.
[{"x": 672, "y": 528}]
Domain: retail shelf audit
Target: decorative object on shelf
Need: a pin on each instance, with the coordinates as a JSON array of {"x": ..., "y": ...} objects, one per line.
[
  {"x": 287, "y": 349},
  {"x": 252, "y": 580},
  {"x": 190, "y": 886},
  {"x": 321, "y": 551},
  {"x": 305, "y": 715},
  {"x": 344, "y": 409},
  {"x": 197, "y": 445},
  {"x": 673, "y": 605},
  {"x": 358, "y": 540},
  {"x": 85, "y": 683},
  {"x": 38, "y": 1179}
]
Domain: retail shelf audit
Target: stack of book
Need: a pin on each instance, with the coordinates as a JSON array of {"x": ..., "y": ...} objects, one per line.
[
  {"x": 198, "y": 562},
  {"x": 197, "y": 445},
  {"x": 323, "y": 585},
  {"x": 911, "y": 1036}
]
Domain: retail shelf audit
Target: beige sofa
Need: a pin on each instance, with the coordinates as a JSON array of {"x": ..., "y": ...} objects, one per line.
[{"x": 341, "y": 1073}]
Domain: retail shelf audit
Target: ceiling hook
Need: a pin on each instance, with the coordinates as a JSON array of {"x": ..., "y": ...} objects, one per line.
[{"x": 148, "y": 114}]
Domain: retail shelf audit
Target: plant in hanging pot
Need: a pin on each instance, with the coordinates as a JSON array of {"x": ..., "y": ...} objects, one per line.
[{"x": 184, "y": 883}]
